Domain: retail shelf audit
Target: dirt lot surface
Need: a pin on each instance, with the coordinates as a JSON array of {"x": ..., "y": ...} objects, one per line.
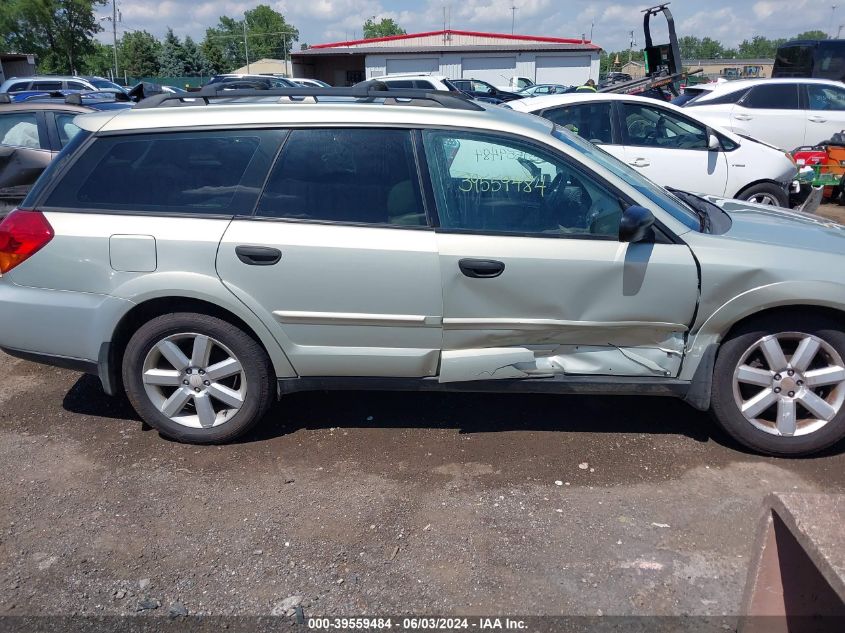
[{"x": 367, "y": 503}]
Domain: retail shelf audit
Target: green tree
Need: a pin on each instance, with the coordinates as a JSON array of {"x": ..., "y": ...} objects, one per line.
[
  {"x": 139, "y": 52},
  {"x": 213, "y": 50},
  {"x": 195, "y": 61},
  {"x": 268, "y": 35},
  {"x": 98, "y": 61},
  {"x": 758, "y": 47},
  {"x": 171, "y": 57},
  {"x": 59, "y": 32},
  {"x": 811, "y": 35},
  {"x": 383, "y": 28}
]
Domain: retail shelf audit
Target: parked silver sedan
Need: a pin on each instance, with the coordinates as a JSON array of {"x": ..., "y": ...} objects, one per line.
[{"x": 207, "y": 258}]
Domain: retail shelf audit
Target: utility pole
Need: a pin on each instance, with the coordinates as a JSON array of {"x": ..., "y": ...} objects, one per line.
[
  {"x": 832, "y": 14},
  {"x": 839, "y": 32},
  {"x": 631, "y": 48},
  {"x": 513, "y": 17},
  {"x": 246, "y": 48},
  {"x": 114, "y": 33},
  {"x": 592, "y": 24}
]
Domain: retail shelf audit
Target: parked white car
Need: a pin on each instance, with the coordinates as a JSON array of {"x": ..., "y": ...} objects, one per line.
[
  {"x": 788, "y": 112},
  {"x": 309, "y": 83},
  {"x": 419, "y": 81},
  {"x": 671, "y": 146}
]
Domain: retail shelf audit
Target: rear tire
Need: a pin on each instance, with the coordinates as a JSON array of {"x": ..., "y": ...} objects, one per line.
[
  {"x": 759, "y": 403},
  {"x": 765, "y": 193},
  {"x": 196, "y": 378}
]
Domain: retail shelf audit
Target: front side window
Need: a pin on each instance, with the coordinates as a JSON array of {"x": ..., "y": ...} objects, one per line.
[
  {"x": 591, "y": 121},
  {"x": 647, "y": 126},
  {"x": 75, "y": 85},
  {"x": 363, "y": 175},
  {"x": 486, "y": 183},
  {"x": 66, "y": 127},
  {"x": 20, "y": 129},
  {"x": 823, "y": 97},
  {"x": 211, "y": 172},
  {"x": 774, "y": 96}
]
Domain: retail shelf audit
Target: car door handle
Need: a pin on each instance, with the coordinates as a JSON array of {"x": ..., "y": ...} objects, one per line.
[
  {"x": 481, "y": 268},
  {"x": 743, "y": 117},
  {"x": 258, "y": 255},
  {"x": 640, "y": 162},
  {"x": 817, "y": 119}
]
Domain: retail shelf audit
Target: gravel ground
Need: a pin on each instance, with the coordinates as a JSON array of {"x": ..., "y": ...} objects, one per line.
[{"x": 368, "y": 503}]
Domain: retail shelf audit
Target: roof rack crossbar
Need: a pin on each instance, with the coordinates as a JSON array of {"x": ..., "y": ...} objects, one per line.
[{"x": 370, "y": 91}]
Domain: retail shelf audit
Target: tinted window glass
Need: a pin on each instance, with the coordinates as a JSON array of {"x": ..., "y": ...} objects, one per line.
[
  {"x": 19, "y": 129},
  {"x": 55, "y": 166},
  {"x": 424, "y": 85},
  {"x": 773, "y": 97},
  {"x": 19, "y": 87},
  {"x": 656, "y": 127},
  {"x": 830, "y": 62},
  {"x": 821, "y": 97},
  {"x": 218, "y": 172},
  {"x": 362, "y": 176},
  {"x": 706, "y": 98},
  {"x": 486, "y": 183},
  {"x": 400, "y": 83},
  {"x": 793, "y": 61},
  {"x": 589, "y": 120},
  {"x": 46, "y": 85},
  {"x": 66, "y": 127},
  {"x": 75, "y": 85}
]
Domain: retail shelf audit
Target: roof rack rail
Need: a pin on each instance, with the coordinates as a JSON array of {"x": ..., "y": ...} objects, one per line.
[{"x": 368, "y": 90}]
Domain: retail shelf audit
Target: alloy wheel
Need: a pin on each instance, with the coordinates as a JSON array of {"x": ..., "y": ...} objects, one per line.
[
  {"x": 789, "y": 384},
  {"x": 194, "y": 380},
  {"x": 764, "y": 198}
]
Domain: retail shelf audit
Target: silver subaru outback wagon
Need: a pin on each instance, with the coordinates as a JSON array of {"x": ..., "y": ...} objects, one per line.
[{"x": 210, "y": 257}]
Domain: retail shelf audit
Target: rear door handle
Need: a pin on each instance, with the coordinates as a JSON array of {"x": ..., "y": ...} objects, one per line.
[
  {"x": 743, "y": 117},
  {"x": 640, "y": 162},
  {"x": 481, "y": 268},
  {"x": 258, "y": 255},
  {"x": 817, "y": 119}
]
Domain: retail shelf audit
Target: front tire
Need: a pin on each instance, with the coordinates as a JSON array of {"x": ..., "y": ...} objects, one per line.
[
  {"x": 767, "y": 193},
  {"x": 779, "y": 385},
  {"x": 196, "y": 378}
]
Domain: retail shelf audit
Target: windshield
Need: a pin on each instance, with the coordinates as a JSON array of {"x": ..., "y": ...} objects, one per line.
[
  {"x": 658, "y": 195},
  {"x": 104, "y": 84}
]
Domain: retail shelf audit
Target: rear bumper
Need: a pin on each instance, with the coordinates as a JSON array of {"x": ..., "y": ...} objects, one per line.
[{"x": 58, "y": 327}]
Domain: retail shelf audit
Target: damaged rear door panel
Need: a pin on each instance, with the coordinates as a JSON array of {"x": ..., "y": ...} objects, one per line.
[{"x": 535, "y": 280}]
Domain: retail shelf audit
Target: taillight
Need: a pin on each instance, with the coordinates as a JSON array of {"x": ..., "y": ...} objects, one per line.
[{"x": 22, "y": 234}]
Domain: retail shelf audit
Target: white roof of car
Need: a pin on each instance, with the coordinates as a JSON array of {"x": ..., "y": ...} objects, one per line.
[
  {"x": 533, "y": 104},
  {"x": 326, "y": 113},
  {"x": 725, "y": 87}
]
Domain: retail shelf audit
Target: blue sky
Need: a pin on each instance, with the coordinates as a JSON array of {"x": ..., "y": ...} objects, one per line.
[{"x": 611, "y": 21}]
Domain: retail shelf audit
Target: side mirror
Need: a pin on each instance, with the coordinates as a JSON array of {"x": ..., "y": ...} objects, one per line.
[
  {"x": 634, "y": 224},
  {"x": 713, "y": 142}
]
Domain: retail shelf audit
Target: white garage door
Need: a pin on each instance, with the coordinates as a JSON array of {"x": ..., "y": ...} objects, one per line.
[
  {"x": 495, "y": 70},
  {"x": 413, "y": 65},
  {"x": 569, "y": 70}
]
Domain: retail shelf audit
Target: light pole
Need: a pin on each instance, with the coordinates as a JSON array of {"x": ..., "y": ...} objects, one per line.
[
  {"x": 113, "y": 19},
  {"x": 246, "y": 47},
  {"x": 832, "y": 14},
  {"x": 513, "y": 17}
]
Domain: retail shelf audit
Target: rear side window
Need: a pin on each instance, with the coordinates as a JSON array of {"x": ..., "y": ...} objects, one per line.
[
  {"x": 75, "y": 85},
  {"x": 47, "y": 85},
  {"x": 66, "y": 128},
  {"x": 732, "y": 97},
  {"x": 346, "y": 175},
  {"x": 591, "y": 121},
  {"x": 20, "y": 129},
  {"x": 400, "y": 83},
  {"x": 19, "y": 87},
  {"x": 204, "y": 172},
  {"x": 773, "y": 97}
]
